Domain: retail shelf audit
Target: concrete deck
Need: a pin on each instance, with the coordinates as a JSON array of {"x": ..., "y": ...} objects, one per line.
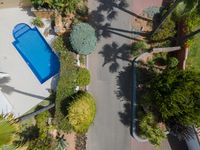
[{"x": 23, "y": 90}]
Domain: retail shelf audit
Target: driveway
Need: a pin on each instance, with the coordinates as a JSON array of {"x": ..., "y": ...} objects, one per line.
[{"x": 111, "y": 72}]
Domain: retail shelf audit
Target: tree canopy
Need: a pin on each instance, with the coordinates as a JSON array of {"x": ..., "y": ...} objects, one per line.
[
  {"x": 81, "y": 112},
  {"x": 83, "y": 39},
  {"x": 176, "y": 95},
  {"x": 150, "y": 129}
]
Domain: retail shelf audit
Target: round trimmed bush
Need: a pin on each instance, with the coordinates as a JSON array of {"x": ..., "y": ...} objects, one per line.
[
  {"x": 83, "y": 39},
  {"x": 83, "y": 76},
  {"x": 81, "y": 112}
]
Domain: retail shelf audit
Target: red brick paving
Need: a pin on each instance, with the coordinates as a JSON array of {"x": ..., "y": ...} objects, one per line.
[
  {"x": 140, "y": 5},
  {"x": 141, "y": 146}
]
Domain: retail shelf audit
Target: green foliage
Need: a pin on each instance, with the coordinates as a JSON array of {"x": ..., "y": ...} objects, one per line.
[
  {"x": 67, "y": 81},
  {"x": 81, "y": 112},
  {"x": 83, "y": 39},
  {"x": 41, "y": 140},
  {"x": 184, "y": 8},
  {"x": 159, "y": 59},
  {"x": 139, "y": 47},
  {"x": 7, "y": 130},
  {"x": 40, "y": 144},
  {"x": 175, "y": 94},
  {"x": 65, "y": 6},
  {"x": 83, "y": 77},
  {"x": 82, "y": 10},
  {"x": 61, "y": 143},
  {"x": 166, "y": 31},
  {"x": 193, "y": 61},
  {"x": 41, "y": 122},
  {"x": 172, "y": 62},
  {"x": 38, "y": 3},
  {"x": 8, "y": 147},
  {"x": 62, "y": 6},
  {"x": 192, "y": 22},
  {"x": 37, "y": 22},
  {"x": 149, "y": 128},
  {"x": 27, "y": 134}
]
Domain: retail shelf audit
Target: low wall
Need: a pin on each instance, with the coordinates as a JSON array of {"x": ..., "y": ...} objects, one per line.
[
  {"x": 134, "y": 106},
  {"x": 166, "y": 49},
  {"x": 43, "y": 13}
]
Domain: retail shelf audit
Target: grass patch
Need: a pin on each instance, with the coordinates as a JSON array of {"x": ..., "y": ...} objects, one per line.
[{"x": 193, "y": 61}]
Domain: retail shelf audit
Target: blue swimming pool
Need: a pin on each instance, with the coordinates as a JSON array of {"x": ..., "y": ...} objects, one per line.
[{"x": 36, "y": 52}]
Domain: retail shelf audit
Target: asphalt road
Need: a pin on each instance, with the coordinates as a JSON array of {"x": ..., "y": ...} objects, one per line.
[{"x": 111, "y": 75}]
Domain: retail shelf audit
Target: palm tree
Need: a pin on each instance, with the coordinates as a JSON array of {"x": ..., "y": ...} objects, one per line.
[
  {"x": 180, "y": 8},
  {"x": 168, "y": 13},
  {"x": 61, "y": 143},
  {"x": 8, "y": 128}
]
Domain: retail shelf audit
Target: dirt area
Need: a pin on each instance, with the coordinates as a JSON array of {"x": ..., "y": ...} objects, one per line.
[{"x": 71, "y": 140}]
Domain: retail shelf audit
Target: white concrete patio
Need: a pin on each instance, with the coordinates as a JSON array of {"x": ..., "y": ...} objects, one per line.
[{"x": 23, "y": 90}]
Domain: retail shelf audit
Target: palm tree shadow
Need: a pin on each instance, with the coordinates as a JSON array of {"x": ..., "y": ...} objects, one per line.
[
  {"x": 124, "y": 94},
  {"x": 112, "y": 53},
  {"x": 5, "y": 80}
]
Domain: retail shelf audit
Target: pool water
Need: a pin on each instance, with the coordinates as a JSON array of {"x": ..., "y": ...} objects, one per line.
[{"x": 36, "y": 52}]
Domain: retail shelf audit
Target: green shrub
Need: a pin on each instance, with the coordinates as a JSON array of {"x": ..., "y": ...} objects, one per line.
[
  {"x": 40, "y": 144},
  {"x": 42, "y": 119},
  {"x": 8, "y": 128},
  {"x": 81, "y": 112},
  {"x": 83, "y": 39},
  {"x": 192, "y": 22},
  {"x": 167, "y": 30},
  {"x": 8, "y": 147},
  {"x": 83, "y": 76},
  {"x": 62, "y": 6},
  {"x": 61, "y": 143},
  {"x": 37, "y": 22},
  {"x": 67, "y": 81},
  {"x": 139, "y": 47},
  {"x": 82, "y": 10},
  {"x": 177, "y": 92},
  {"x": 149, "y": 128},
  {"x": 172, "y": 62}
]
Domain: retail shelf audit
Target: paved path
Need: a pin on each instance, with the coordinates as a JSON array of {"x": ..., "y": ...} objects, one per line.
[{"x": 110, "y": 75}]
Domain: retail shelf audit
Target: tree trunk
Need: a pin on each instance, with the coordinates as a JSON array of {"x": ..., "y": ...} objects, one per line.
[{"x": 191, "y": 35}]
